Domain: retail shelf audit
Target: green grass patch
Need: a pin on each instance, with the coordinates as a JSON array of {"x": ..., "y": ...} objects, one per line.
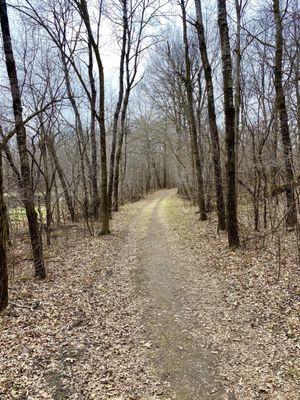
[
  {"x": 19, "y": 213},
  {"x": 294, "y": 372}
]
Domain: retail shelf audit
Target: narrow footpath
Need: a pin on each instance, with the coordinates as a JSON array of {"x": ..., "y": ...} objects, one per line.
[
  {"x": 161, "y": 309},
  {"x": 166, "y": 266}
]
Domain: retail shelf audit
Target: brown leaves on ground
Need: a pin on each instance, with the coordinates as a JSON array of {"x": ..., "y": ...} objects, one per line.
[
  {"x": 76, "y": 335},
  {"x": 252, "y": 316},
  {"x": 82, "y": 333}
]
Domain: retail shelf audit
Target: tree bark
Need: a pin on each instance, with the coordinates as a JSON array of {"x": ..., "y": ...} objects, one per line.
[
  {"x": 118, "y": 106},
  {"x": 94, "y": 167},
  {"x": 27, "y": 187},
  {"x": 57, "y": 205},
  {"x": 79, "y": 134},
  {"x": 212, "y": 118},
  {"x": 105, "y": 214},
  {"x": 48, "y": 182},
  {"x": 232, "y": 222},
  {"x": 3, "y": 258},
  {"x": 237, "y": 92},
  {"x": 62, "y": 178},
  {"x": 291, "y": 217},
  {"x": 191, "y": 117},
  {"x": 119, "y": 150}
]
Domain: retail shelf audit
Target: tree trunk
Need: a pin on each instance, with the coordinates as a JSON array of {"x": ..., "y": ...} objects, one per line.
[
  {"x": 232, "y": 222},
  {"x": 57, "y": 200},
  {"x": 237, "y": 92},
  {"x": 62, "y": 178},
  {"x": 85, "y": 204},
  {"x": 291, "y": 218},
  {"x": 105, "y": 214},
  {"x": 27, "y": 187},
  {"x": 118, "y": 106},
  {"x": 119, "y": 150},
  {"x": 274, "y": 148},
  {"x": 94, "y": 167},
  {"x": 165, "y": 174},
  {"x": 192, "y": 120},
  {"x": 123, "y": 173},
  {"x": 3, "y": 259},
  {"x": 48, "y": 184},
  {"x": 212, "y": 118},
  {"x": 79, "y": 134}
]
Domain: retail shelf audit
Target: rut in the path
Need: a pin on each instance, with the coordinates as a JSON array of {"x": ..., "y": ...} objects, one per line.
[{"x": 180, "y": 359}]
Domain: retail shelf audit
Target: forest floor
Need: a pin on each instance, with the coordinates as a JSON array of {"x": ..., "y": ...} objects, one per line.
[{"x": 160, "y": 309}]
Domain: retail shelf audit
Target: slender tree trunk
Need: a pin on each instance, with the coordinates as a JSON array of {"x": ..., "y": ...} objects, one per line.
[
  {"x": 83, "y": 180},
  {"x": 94, "y": 167},
  {"x": 192, "y": 120},
  {"x": 158, "y": 180},
  {"x": 105, "y": 213},
  {"x": 274, "y": 148},
  {"x": 48, "y": 184},
  {"x": 3, "y": 258},
  {"x": 104, "y": 195},
  {"x": 62, "y": 178},
  {"x": 291, "y": 218},
  {"x": 237, "y": 92},
  {"x": 232, "y": 222},
  {"x": 119, "y": 150},
  {"x": 48, "y": 215},
  {"x": 27, "y": 187},
  {"x": 165, "y": 175},
  {"x": 123, "y": 173},
  {"x": 57, "y": 207},
  {"x": 118, "y": 106},
  {"x": 212, "y": 117},
  {"x": 79, "y": 134}
]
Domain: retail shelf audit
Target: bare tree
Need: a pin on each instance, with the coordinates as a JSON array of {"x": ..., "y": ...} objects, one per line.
[
  {"x": 291, "y": 218},
  {"x": 212, "y": 117},
  {"x": 232, "y": 222},
  {"x": 94, "y": 167},
  {"x": 105, "y": 212},
  {"x": 52, "y": 150},
  {"x": 119, "y": 103},
  {"x": 26, "y": 179},
  {"x": 3, "y": 239},
  {"x": 191, "y": 115}
]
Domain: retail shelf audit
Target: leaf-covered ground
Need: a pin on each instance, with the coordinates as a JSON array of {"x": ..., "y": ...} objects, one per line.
[
  {"x": 93, "y": 329},
  {"x": 255, "y": 327},
  {"x": 78, "y": 334}
]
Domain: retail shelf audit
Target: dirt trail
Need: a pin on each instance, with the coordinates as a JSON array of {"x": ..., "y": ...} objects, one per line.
[
  {"x": 166, "y": 266},
  {"x": 159, "y": 309}
]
